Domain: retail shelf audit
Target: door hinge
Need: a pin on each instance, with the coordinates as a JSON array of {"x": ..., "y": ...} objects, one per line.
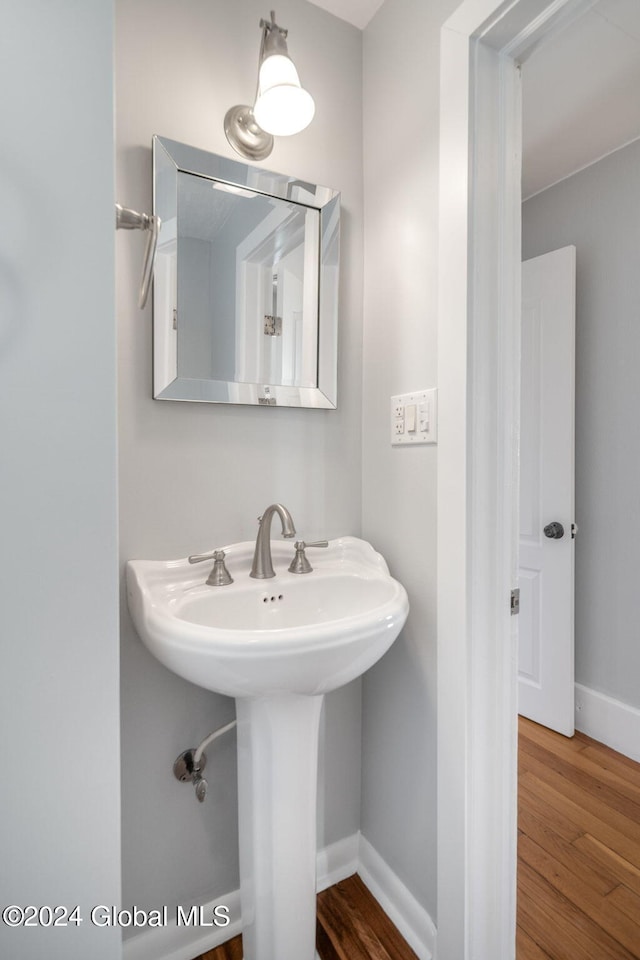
[{"x": 515, "y": 602}]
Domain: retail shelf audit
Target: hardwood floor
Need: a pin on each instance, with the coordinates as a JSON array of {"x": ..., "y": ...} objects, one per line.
[
  {"x": 578, "y": 849},
  {"x": 231, "y": 950},
  {"x": 351, "y": 926},
  {"x": 578, "y": 864}
]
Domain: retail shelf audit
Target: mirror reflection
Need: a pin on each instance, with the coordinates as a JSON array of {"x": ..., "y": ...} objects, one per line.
[{"x": 246, "y": 283}]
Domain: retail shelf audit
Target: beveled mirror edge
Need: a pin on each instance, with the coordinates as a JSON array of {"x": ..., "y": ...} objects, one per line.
[{"x": 179, "y": 157}]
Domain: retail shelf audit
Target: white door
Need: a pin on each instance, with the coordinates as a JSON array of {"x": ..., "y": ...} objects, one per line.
[{"x": 546, "y": 637}]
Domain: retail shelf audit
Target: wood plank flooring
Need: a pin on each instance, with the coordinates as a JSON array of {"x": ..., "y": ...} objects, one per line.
[
  {"x": 578, "y": 849},
  {"x": 231, "y": 950},
  {"x": 578, "y": 864},
  {"x": 351, "y": 926}
]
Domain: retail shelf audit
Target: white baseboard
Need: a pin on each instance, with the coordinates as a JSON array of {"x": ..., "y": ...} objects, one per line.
[
  {"x": 610, "y": 721},
  {"x": 184, "y": 943},
  {"x": 335, "y": 862},
  {"x": 409, "y": 917}
]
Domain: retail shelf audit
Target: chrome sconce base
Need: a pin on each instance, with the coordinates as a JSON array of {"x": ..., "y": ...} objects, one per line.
[{"x": 244, "y": 134}]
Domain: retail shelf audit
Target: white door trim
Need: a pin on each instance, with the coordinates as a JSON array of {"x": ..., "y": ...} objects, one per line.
[{"x": 478, "y": 386}]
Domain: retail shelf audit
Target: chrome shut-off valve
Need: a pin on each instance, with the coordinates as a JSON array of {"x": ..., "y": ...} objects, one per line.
[{"x": 186, "y": 769}]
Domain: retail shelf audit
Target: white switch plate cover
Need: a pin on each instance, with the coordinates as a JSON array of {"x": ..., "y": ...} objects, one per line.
[{"x": 426, "y": 419}]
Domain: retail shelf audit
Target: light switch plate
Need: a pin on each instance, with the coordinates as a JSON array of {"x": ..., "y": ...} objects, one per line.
[{"x": 414, "y": 417}]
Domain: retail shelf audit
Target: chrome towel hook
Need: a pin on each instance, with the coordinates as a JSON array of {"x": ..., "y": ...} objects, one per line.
[{"x": 127, "y": 219}]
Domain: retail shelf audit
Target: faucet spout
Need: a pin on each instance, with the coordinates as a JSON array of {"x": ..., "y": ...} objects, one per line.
[{"x": 262, "y": 568}]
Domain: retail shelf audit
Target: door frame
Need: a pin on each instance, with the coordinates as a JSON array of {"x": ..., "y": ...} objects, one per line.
[{"x": 478, "y": 408}]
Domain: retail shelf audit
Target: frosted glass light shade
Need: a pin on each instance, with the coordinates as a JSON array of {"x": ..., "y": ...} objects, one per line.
[{"x": 282, "y": 107}]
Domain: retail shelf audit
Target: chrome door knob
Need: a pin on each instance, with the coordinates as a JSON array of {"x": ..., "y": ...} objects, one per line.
[{"x": 554, "y": 531}]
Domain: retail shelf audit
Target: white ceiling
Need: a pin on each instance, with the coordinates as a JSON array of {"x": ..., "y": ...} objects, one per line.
[
  {"x": 581, "y": 89},
  {"x": 357, "y": 12},
  {"x": 581, "y": 94}
]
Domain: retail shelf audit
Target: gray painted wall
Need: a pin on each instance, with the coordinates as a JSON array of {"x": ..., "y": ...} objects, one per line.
[
  {"x": 193, "y": 476},
  {"x": 59, "y": 719},
  {"x": 598, "y": 210},
  {"x": 401, "y": 124},
  {"x": 196, "y": 475}
]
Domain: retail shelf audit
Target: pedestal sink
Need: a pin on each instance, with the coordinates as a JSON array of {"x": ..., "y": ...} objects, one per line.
[{"x": 277, "y": 646}]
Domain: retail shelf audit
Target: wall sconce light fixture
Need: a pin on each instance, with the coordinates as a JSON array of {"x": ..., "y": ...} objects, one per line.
[{"x": 281, "y": 106}]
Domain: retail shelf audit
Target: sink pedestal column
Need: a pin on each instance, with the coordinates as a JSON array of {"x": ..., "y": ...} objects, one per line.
[{"x": 277, "y": 783}]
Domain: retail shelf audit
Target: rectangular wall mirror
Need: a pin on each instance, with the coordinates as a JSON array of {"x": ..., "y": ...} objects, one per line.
[{"x": 245, "y": 299}]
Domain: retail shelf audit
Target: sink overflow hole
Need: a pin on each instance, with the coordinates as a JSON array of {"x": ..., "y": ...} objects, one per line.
[{"x": 272, "y": 599}]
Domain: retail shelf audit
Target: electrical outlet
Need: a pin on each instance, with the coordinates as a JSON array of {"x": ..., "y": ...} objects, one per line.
[{"x": 414, "y": 417}]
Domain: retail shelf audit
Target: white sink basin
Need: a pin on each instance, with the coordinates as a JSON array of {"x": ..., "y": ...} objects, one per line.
[
  {"x": 277, "y": 645},
  {"x": 291, "y": 634}
]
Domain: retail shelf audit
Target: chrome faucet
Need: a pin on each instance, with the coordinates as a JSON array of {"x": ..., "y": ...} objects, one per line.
[{"x": 262, "y": 567}]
